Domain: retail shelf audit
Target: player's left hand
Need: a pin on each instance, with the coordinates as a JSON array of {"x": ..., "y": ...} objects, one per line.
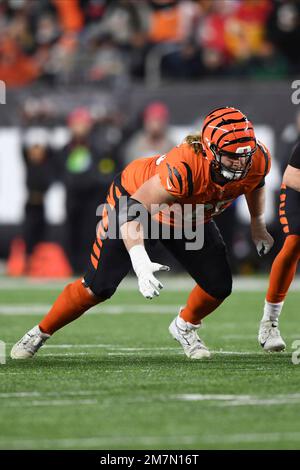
[{"x": 262, "y": 239}]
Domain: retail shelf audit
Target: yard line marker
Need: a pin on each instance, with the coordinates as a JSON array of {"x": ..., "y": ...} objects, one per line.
[
  {"x": 71, "y": 346},
  {"x": 240, "y": 400},
  {"x": 210, "y": 397},
  {"x": 262, "y": 402},
  {"x": 125, "y": 441},
  {"x": 48, "y": 394},
  {"x": 228, "y": 353},
  {"x": 116, "y": 350},
  {"x": 52, "y": 403},
  {"x": 107, "y": 346},
  {"x": 40, "y": 309},
  {"x": 172, "y": 284},
  {"x": 231, "y": 398}
]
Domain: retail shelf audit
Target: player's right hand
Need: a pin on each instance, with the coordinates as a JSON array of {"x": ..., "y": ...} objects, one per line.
[
  {"x": 143, "y": 267},
  {"x": 149, "y": 285}
]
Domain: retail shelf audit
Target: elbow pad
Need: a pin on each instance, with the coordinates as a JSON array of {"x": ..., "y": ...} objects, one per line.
[{"x": 130, "y": 210}]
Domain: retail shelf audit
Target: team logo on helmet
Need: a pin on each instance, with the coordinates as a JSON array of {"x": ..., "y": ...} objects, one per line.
[{"x": 227, "y": 132}]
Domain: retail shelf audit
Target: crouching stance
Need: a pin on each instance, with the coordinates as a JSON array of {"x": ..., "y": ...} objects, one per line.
[
  {"x": 285, "y": 264},
  {"x": 209, "y": 170}
]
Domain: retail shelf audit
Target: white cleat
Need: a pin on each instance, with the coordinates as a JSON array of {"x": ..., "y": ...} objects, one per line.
[
  {"x": 187, "y": 336},
  {"x": 29, "y": 344},
  {"x": 269, "y": 337}
]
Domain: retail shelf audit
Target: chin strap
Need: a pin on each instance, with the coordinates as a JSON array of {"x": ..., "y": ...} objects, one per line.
[{"x": 222, "y": 170}]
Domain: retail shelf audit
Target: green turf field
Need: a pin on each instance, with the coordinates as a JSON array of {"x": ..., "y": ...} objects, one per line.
[{"x": 116, "y": 380}]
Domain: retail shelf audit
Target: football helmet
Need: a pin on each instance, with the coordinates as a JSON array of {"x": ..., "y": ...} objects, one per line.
[{"x": 227, "y": 132}]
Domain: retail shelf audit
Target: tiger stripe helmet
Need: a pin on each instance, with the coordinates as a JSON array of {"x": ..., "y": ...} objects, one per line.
[{"x": 227, "y": 132}]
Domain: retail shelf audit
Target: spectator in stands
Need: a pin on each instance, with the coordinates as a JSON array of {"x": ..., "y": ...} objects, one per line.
[
  {"x": 154, "y": 138},
  {"x": 87, "y": 169},
  {"x": 124, "y": 24},
  {"x": 93, "y": 10},
  {"x": 40, "y": 174},
  {"x": 70, "y": 15},
  {"x": 16, "y": 68},
  {"x": 283, "y": 31},
  {"x": 108, "y": 62},
  {"x": 170, "y": 20},
  {"x": 76, "y": 40}
]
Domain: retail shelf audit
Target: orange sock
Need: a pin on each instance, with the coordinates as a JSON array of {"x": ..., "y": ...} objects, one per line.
[
  {"x": 70, "y": 304},
  {"x": 283, "y": 269},
  {"x": 199, "y": 305}
]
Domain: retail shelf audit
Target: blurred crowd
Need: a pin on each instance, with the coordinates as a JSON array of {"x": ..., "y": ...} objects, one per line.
[
  {"x": 84, "y": 155},
  {"x": 75, "y": 41},
  {"x": 117, "y": 42}
]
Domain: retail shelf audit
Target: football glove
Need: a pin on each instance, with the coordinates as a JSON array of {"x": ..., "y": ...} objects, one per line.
[
  {"x": 261, "y": 237},
  {"x": 263, "y": 247},
  {"x": 143, "y": 267}
]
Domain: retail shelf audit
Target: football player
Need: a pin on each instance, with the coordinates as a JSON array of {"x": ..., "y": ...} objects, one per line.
[
  {"x": 285, "y": 264},
  {"x": 211, "y": 169}
]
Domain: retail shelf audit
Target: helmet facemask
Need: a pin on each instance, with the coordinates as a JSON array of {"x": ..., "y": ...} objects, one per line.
[{"x": 231, "y": 173}]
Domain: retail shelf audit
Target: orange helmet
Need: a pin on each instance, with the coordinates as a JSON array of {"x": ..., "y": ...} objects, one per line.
[{"x": 227, "y": 132}]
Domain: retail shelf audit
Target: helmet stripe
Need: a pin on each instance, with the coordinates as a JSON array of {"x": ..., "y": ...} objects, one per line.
[
  {"x": 241, "y": 140},
  {"x": 217, "y": 117},
  {"x": 224, "y": 123},
  {"x": 235, "y": 131}
]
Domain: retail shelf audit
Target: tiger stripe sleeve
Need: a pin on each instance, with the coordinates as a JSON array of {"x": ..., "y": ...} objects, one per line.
[{"x": 176, "y": 174}]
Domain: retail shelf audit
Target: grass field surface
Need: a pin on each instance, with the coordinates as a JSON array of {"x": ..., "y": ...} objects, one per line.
[{"x": 115, "y": 379}]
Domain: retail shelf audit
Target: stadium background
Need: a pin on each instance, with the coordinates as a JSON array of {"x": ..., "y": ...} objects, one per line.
[{"x": 113, "y": 60}]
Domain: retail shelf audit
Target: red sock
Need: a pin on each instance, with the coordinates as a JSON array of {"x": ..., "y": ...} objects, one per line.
[
  {"x": 283, "y": 269},
  {"x": 74, "y": 300},
  {"x": 199, "y": 305}
]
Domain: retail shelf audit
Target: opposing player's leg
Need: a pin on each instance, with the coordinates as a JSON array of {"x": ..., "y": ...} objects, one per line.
[
  {"x": 209, "y": 267},
  {"x": 109, "y": 264},
  {"x": 282, "y": 272}
]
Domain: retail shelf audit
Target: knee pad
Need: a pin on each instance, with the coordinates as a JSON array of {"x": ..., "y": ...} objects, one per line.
[
  {"x": 222, "y": 290},
  {"x": 104, "y": 294}
]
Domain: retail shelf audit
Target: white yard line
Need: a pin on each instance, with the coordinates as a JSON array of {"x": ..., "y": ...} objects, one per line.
[
  {"x": 240, "y": 400},
  {"x": 117, "y": 350},
  {"x": 102, "y": 346},
  {"x": 98, "y": 442},
  {"x": 97, "y": 398},
  {"x": 41, "y": 309},
  {"x": 84, "y": 346},
  {"x": 172, "y": 283},
  {"x": 51, "y": 403},
  {"x": 126, "y": 441},
  {"x": 209, "y": 397},
  {"x": 229, "y": 353},
  {"x": 262, "y": 402},
  {"x": 104, "y": 309},
  {"x": 177, "y": 397},
  {"x": 48, "y": 394}
]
